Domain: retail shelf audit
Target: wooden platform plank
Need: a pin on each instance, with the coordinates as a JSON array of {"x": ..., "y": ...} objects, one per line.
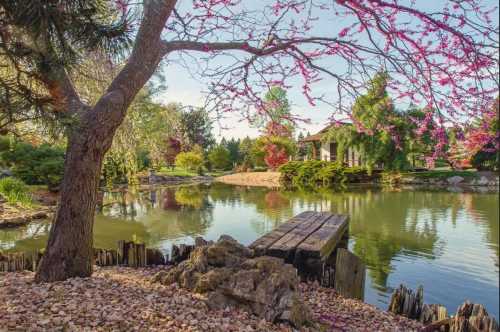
[
  {"x": 265, "y": 241},
  {"x": 292, "y": 239},
  {"x": 326, "y": 238}
]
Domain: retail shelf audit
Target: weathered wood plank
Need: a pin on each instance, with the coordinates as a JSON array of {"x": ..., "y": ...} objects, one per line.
[
  {"x": 349, "y": 275},
  {"x": 264, "y": 242},
  {"x": 286, "y": 245},
  {"x": 324, "y": 240}
]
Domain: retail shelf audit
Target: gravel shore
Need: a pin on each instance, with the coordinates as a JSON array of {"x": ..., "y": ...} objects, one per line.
[
  {"x": 125, "y": 299},
  {"x": 256, "y": 179}
]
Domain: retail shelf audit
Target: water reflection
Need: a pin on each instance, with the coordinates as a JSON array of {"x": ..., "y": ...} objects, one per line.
[{"x": 448, "y": 242}]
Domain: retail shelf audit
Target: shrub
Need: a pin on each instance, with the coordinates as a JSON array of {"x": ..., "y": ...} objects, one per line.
[
  {"x": 219, "y": 158},
  {"x": 15, "y": 191},
  {"x": 306, "y": 174},
  {"x": 189, "y": 160},
  {"x": 42, "y": 164},
  {"x": 486, "y": 160},
  {"x": 314, "y": 173},
  {"x": 289, "y": 171}
]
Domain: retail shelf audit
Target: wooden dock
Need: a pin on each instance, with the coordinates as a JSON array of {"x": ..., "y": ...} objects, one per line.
[{"x": 309, "y": 242}]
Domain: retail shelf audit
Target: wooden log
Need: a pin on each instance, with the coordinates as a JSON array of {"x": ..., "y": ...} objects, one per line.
[
  {"x": 472, "y": 317},
  {"x": 432, "y": 313},
  {"x": 12, "y": 262},
  {"x": 349, "y": 275},
  {"x": 132, "y": 255},
  {"x": 181, "y": 253},
  {"x": 122, "y": 253},
  {"x": 154, "y": 257},
  {"x": 407, "y": 303},
  {"x": 141, "y": 255},
  {"x": 440, "y": 325}
]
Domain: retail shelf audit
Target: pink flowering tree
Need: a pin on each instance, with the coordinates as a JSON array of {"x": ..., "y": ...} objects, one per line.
[{"x": 444, "y": 59}]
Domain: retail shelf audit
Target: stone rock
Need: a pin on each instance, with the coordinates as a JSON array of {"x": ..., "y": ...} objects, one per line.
[
  {"x": 454, "y": 180},
  {"x": 483, "y": 181},
  {"x": 230, "y": 276}
]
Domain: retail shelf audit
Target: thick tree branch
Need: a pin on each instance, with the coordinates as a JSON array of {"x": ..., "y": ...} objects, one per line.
[{"x": 146, "y": 54}]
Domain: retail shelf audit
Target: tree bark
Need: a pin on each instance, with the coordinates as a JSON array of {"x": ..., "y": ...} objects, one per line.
[{"x": 69, "y": 250}]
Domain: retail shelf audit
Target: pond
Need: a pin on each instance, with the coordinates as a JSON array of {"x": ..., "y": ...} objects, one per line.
[{"x": 448, "y": 242}]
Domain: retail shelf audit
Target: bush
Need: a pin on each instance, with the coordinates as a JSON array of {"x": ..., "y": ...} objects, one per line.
[
  {"x": 314, "y": 173},
  {"x": 15, "y": 191},
  {"x": 42, "y": 164},
  {"x": 486, "y": 160},
  {"x": 219, "y": 158},
  {"x": 192, "y": 161}
]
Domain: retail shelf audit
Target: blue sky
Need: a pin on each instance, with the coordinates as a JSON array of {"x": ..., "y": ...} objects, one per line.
[{"x": 183, "y": 88}]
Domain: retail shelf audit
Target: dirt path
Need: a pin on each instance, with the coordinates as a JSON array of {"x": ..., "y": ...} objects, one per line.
[{"x": 257, "y": 179}]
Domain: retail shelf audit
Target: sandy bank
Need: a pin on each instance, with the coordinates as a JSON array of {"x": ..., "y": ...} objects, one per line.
[
  {"x": 125, "y": 299},
  {"x": 257, "y": 179}
]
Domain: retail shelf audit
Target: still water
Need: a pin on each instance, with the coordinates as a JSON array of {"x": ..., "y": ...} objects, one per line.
[{"x": 448, "y": 242}]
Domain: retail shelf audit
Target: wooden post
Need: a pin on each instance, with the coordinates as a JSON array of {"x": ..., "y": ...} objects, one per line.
[
  {"x": 406, "y": 303},
  {"x": 433, "y": 313},
  {"x": 122, "y": 254},
  {"x": 349, "y": 275},
  {"x": 473, "y": 317}
]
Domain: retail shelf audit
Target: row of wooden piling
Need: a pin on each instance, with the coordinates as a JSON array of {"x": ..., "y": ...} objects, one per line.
[
  {"x": 469, "y": 316},
  {"x": 128, "y": 254}
]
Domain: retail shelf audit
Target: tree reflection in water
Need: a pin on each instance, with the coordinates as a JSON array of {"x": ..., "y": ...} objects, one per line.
[{"x": 388, "y": 228}]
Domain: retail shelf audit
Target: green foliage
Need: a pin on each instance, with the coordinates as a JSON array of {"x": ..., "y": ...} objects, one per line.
[
  {"x": 318, "y": 173},
  {"x": 382, "y": 135},
  {"x": 219, "y": 158},
  {"x": 189, "y": 160},
  {"x": 196, "y": 128},
  {"x": 245, "y": 152},
  {"x": 486, "y": 160},
  {"x": 15, "y": 191},
  {"x": 277, "y": 110},
  {"x": 42, "y": 164},
  {"x": 141, "y": 140},
  {"x": 233, "y": 146},
  {"x": 70, "y": 31}
]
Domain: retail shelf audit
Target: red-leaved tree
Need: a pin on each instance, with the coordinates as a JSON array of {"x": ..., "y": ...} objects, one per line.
[
  {"x": 441, "y": 55},
  {"x": 172, "y": 149},
  {"x": 275, "y": 157}
]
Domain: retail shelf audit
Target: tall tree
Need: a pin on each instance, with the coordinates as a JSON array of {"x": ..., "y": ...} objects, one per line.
[
  {"x": 246, "y": 51},
  {"x": 196, "y": 129}
]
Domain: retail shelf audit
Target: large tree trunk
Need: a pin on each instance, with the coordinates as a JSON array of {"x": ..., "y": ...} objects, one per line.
[{"x": 69, "y": 250}]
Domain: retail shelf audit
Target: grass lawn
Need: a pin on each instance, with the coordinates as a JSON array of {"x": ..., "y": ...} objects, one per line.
[{"x": 186, "y": 173}]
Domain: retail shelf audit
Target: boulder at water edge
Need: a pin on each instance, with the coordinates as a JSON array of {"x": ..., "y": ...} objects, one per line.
[{"x": 229, "y": 275}]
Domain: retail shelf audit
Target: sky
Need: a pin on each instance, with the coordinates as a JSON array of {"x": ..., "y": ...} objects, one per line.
[{"x": 182, "y": 87}]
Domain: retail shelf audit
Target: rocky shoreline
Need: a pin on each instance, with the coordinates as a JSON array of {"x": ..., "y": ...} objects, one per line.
[
  {"x": 125, "y": 299},
  {"x": 481, "y": 182},
  {"x": 12, "y": 215}
]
